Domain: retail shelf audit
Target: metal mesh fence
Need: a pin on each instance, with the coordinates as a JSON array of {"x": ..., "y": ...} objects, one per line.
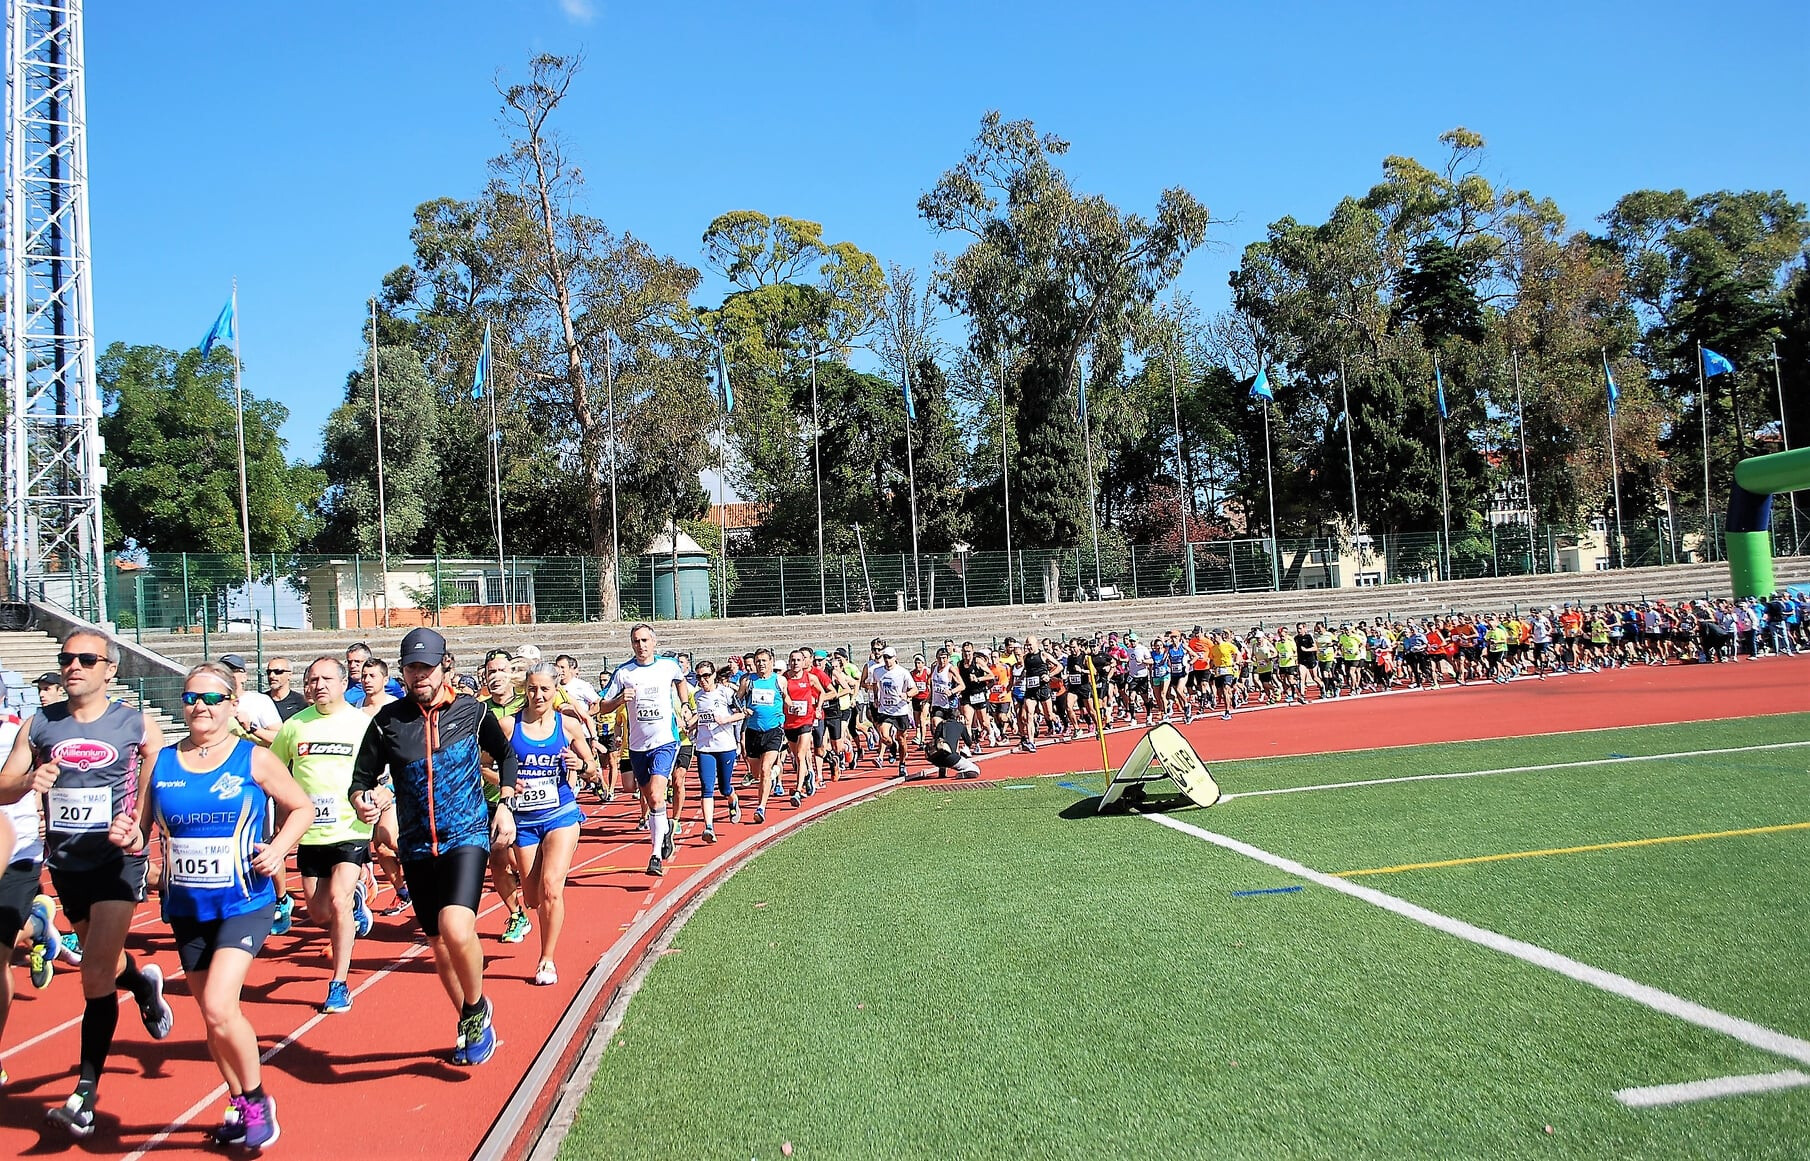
[{"x": 207, "y": 593}]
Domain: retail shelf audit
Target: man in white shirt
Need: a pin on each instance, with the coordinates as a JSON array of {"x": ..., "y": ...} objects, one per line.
[
  {"x": 258, "y": 718},
  {"x": 893, "y": 689},
  {"x": 653, "y": 688}
]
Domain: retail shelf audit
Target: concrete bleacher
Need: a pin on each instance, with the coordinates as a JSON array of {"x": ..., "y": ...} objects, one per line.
[
  {"x": 592, "y": 642},
  {"x": 24, "y": 655}
]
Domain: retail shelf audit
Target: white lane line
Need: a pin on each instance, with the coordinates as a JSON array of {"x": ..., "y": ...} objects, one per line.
[
  {"x": 419, "y": 946},
  {"x": 1748, "y": 1033},
  {"x": 1653, "y": 1096},
  {"x": 1513, "y": 770}
]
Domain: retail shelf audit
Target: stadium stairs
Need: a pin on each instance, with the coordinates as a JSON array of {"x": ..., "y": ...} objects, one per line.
[
  {"x": 592, "y": 642},
  {"x": 31, "y": 653}
]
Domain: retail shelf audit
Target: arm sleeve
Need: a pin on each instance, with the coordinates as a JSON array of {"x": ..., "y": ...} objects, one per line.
[
  {"x": 494, "y": 742},
  {"x": 369, "y": 763}
]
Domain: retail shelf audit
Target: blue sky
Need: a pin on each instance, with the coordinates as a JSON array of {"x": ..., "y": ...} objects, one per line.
[{"x": 287, "y": 144}]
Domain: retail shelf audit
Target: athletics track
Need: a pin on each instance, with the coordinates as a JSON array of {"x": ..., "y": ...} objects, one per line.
[{"x": 373, "y": 1083}]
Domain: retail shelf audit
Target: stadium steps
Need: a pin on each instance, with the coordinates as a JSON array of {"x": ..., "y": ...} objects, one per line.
[
  {"x": 591, "y": 642},
  {"x": 30, "y": 654}
]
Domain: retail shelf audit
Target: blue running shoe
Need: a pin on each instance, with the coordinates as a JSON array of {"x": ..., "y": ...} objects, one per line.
[
  {"x": 44, "y": 944},
  {"x": 279, "y": 925},
  {"x": 361, "y": 912},
  {"x": 339, "y": 998},
  {"x": 260, "y": 1120},
  {"x": 477, "y": 1039}
]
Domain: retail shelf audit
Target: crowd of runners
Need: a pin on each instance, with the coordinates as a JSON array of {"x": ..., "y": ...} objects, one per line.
[{"x": 419, "y": 784}]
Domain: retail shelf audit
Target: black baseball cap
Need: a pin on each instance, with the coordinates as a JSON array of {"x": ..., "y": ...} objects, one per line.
[
  {"x": 423, "y": 646},
  {"x": 233, "y": 662},
  {"x": 51, "y": 678}
]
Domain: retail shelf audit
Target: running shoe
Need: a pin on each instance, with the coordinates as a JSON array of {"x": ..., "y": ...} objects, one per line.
[
  {"x": 232, "y": 1123},
  {"x": 777, "y": 788},
  {"x": 281, "y": 923},
  {"x": 260, "y": 1118},
  {"x": 710, "y": 834},
  {"x": 735, "y": 813},
  {"x": 398, "y": 907},
  {"x": 75, "y": 1114},
  {"x": 517, "y": 928},
  {"x": 1226, "y": 717},
  {"x": 154, "y": 1009},
  {"x": 547, "y": 975},
  {"x": 656, "y": 866},
  {"x": 796, "y": 798},
  {"x": 361, "y": 912},
  {"x": 72, "y": 949},
  {"x": 760, "y": 815},
  {"x": 477, "y": 1039},
  {"x": 669, "y": 843},
  {"x": 45, "y": 944},
  {"x": 339, "y": 998}
]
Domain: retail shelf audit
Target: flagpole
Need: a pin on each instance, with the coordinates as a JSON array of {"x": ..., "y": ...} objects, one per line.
[
  {"x": 383, "y": 520},
  {"x": 1445, "y": 499},
  {"x": 496, "y": 482},
  {"x": 1709, "y": 539},
  {"x": 823, "y": 599},
  {"x": 1183, "y": 494},
  {"x": 1270, "y": 475},
  {"x": 1526, "y": 477},
  {"x": 1093, "y": 504},
  {"x": 239, "y": 430},
  {"x": 1790, "y": 497},
  {"x": 722, "y": 513},
  {"x": 911, "y": 480},
  {"x": 609, "y": 387},
  {"x": 1621, "y": 547},
  {"x": 1357, "y": 544},
  {"x": 1005, "y": 475}
]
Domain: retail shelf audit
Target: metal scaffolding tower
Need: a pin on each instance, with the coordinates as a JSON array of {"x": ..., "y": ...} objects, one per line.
[{"x": 54, "y": 543}]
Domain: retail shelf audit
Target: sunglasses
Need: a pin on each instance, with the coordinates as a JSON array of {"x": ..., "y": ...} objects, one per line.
[
  {"x": 87, "y": 660},
  {"x": 276, "y": 673},
  {"x": 190, "y": 697}
]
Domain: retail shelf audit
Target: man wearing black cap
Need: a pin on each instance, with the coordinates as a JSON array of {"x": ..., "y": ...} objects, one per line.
[
  {"x": 430, "y": 743},
  {"x": 50, "y": 688},
  {"x": 257, "y": 718}
]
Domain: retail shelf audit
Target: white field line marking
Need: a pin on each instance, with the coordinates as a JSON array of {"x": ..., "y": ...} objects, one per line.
[
  {"x": 1691, "y": 1012},
  {"x": 1703, "y": 1090},
  {"x": 415, "y": 949},
  {"x": 1513, "y": 770}
]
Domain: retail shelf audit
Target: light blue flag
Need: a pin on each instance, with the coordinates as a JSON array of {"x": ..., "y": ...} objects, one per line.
[
  {"x": 481, "y": 378},
  {"x": 911, "y": 409},
  {"x": 1260, "y": 387},
  {"x": 1614, "y": 393},
  {"x": 1439, "y": 388},
  {"x": 722, "y": 382},
  {"x": 221, "y": 332},
  {"x": 1081, "y": 400},
  {"x": 1714, "y": 364}
]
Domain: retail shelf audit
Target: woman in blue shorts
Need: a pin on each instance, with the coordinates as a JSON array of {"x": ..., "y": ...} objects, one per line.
[
  {"x": 211, "y": 795},
  {"x": 546, "y": 806},
  {"x": 715, "y": 742}
]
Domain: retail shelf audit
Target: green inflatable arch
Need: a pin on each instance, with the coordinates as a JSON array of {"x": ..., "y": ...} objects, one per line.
[{"x": 1750, "y": 516}]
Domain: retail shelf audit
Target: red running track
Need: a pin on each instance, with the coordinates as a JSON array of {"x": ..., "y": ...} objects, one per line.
[{"x": 374, "y": 1082}]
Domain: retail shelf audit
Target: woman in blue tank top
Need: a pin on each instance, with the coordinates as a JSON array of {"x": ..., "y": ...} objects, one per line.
[
  {"x": 210, "y": 795},
  {"x": 546, "y": 806}
]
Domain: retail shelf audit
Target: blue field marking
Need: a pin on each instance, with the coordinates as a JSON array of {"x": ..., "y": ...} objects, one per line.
[
  {"x": 1266, "y": 891},
  {"x": 1618, "y": 755},
  {"x": 1076, "y": 787}
]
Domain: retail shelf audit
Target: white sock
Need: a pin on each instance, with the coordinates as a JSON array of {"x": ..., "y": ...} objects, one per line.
[{"x": 659, "y": 830}]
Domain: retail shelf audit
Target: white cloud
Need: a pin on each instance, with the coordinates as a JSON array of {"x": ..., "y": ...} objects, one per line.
[{"x": 583, "y": 11}]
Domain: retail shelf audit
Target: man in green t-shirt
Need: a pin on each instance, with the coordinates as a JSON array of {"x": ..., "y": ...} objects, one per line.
[{"x": 319, "y": 745}]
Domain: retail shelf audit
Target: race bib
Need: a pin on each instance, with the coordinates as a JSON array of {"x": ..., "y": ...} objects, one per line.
[
  {"x": 536, "y": 793},
  {"x": 81, "y": 809},
  {"x": 761, "y": 696},
  {"x": 1032, "y": 682},
  {"x": 796, "y": 709},
  {"x": 1225, "y": 671},
  {"x": 202, "y": 862},
  {"x": 976, "y": 698},
  {"x": 326, "y": 809},
  {"x": 706, "y": 717},
  {"x": 648, "y": 713}
]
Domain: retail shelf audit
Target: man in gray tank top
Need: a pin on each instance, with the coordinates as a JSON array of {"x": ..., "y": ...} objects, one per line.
[{"x": 84, "y": 755}]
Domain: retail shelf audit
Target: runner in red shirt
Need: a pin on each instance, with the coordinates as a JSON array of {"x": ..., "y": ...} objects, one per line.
[{"x": 803, "y": 694}]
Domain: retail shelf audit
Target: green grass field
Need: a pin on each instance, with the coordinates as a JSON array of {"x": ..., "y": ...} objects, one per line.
[{"x": 996, "y": 973}]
